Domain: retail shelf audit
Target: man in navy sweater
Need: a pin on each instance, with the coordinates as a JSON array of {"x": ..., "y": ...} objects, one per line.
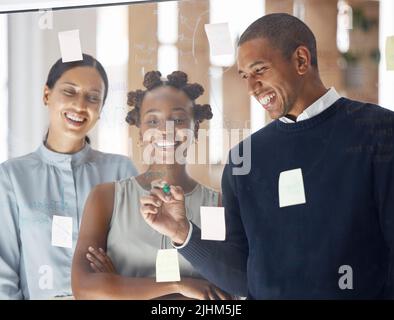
[{"x": 314, "y": 217}]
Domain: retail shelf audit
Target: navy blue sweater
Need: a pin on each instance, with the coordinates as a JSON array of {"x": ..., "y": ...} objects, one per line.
[{"x": 346, "y": 154}]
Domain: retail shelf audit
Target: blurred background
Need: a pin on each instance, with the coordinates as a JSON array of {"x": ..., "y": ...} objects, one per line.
[{"x": 130, "y": 40}]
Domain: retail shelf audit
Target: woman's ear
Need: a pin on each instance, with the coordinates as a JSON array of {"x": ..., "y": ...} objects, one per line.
[
  {"x": 140, "y": 141},
  {"x": 45, "y": 97}
]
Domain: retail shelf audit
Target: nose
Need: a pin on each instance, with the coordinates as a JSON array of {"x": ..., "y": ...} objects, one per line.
[
  {"x": 80, "y": 103},
  {"x": 167, "y": 129},
  {"x": 253, "y": 85}
]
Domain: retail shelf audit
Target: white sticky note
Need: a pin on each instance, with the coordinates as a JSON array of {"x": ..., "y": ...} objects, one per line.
[
  {"x": 167, "y": 266},
  {"x": 390, "y": 53},
  {"x": 291, "y": 188},
  {"x": 62, "y": 231},
  {"x": 219, "y": 37},
  {"x": 70, "y": 45},
  {"x": 213, "y": 225}
]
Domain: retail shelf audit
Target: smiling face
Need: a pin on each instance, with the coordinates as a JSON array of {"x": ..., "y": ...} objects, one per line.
[
  {"x": 166, "y": 114},
  {"x": 271, "y": 78},
  {"x": 75, "y": 102}
]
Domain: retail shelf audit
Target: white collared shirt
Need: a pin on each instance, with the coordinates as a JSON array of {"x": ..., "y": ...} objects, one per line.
[{"x": 317, "y": 107}]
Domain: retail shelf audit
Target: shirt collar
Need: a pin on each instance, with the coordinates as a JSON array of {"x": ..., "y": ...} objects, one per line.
[
  {"x": 58, "y": 159},
  {"x": 317, "y": 107}
]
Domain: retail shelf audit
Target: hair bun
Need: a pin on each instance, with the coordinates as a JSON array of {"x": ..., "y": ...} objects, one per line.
[
  {"x": 152, "y": 80},
  {"x": 133, "y": 97},
  {"x": 193, "y": 91},
  {"x": 133, "y": 117},
  {"x": 202, "y": 112},
  {"x": 177, "y": 79}
]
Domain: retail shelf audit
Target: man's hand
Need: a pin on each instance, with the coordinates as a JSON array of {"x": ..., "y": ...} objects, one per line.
[{"x": 166, "y": 212}]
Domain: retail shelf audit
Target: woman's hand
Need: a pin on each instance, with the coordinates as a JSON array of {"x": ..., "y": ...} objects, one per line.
[
  {"x": 99, "y": 261},
  {"x": 166, "y": 212},
  {"x": 201, "y": 289}
]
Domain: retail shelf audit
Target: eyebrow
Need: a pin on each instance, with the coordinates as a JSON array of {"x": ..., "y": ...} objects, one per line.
[
  {"x": 152, "y": 111},
  {"x": 252, "y": 65},
  {"x": 179, "y": 109},
  {"x": 157, "y": 110},
  {"x": 75, "y": 85}
]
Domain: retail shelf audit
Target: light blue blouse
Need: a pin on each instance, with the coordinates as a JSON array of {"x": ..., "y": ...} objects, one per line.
[{"x": 42, "y": 196}]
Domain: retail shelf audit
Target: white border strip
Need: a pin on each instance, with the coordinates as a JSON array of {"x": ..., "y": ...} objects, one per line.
[{"x": 26, "y": 5}]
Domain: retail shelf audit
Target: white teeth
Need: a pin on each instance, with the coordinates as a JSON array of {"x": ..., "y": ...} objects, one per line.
[
  {"x": 266, "y": 99},
  {"x": 74, "y": 117},
  {"x": 165, "y": 144}
]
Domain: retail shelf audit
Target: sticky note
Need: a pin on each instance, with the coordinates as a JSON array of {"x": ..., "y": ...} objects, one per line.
[
  {"x": 62, "y": 235},
  {"x": 291, "y": 188},
  {"x": 390, "y": 53},
  {"x": 213, "y": 225},
  {"x": 70, "y": 45},
  {"x": 219, "y": 37},
  {"x": 167, "y": 265}
]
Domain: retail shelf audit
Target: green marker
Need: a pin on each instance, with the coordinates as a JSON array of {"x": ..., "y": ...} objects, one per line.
[{"x": 166, "y": 188}]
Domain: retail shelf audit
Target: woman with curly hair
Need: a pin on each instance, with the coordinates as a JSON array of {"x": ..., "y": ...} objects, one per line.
[{"x": 116, "y": 251}]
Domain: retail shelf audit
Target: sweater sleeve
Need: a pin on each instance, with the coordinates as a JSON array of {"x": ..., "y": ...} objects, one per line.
[
  {"x": 222, "y": 263},
  {"x": 9, "y": 240},
  {"x": 383, "y": 172}
]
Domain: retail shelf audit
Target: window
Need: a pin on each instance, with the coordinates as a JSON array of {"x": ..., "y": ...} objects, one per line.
[
  {"x": 167, "y": 25},
  {"x": 299, "y": 9},
  {"x": 239, "y": 17},
  {"x": 112, "y": 52},
  {"x": 344, "y": 24},
  {"x": 216, "y": 123}
]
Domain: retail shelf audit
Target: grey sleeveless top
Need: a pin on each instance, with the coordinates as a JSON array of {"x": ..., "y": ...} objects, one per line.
[{"x": 132, "y": 244}]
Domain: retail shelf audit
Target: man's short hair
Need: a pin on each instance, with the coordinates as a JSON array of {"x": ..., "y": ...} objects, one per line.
[{"x": 283, "y": 31}]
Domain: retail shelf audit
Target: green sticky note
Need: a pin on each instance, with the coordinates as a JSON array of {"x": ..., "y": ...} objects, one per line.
[{"x": 390, "y": 53}]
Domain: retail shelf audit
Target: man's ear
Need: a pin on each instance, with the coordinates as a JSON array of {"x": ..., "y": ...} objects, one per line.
[
  {"x": 302, "y": 59},
  {"x": 45, "y": 97}
]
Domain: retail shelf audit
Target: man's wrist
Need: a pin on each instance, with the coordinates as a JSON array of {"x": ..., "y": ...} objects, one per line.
[
  {"x": 181, "y": 233},
  {"x": 186, "y": 241}
]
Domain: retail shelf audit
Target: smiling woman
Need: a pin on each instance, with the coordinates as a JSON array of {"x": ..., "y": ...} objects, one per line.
[
  {"x": 116, "y": 250},
  {"x": 70, "y": 87},
  {"x": 40, "y": 221}
]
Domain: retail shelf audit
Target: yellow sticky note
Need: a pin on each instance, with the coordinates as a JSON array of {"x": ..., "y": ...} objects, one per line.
[
  {"x": 167, "y": 266},
  {"x": 390, "y": 53},
  {"x": 291, "y": 188}
]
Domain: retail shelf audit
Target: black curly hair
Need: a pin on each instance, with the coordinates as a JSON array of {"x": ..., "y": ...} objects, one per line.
[{"x": 176, "y": 79}]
